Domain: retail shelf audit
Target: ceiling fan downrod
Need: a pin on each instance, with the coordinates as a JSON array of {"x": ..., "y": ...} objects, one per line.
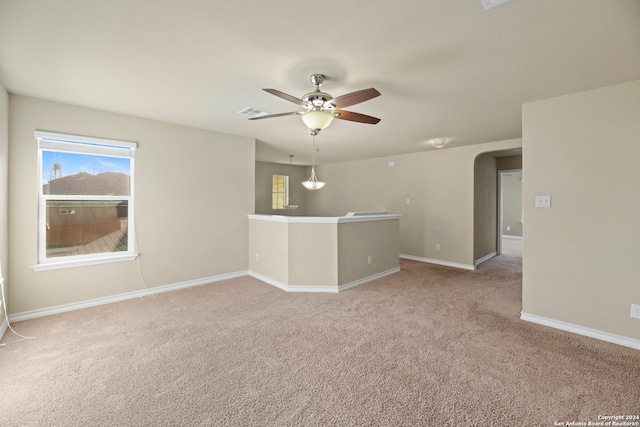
[{"x": 317, "y": 99}]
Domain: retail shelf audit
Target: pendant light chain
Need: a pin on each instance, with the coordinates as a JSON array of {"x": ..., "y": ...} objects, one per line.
[
  {"x": 312, "y": 183},
  {"x": 313, "y": 153}
]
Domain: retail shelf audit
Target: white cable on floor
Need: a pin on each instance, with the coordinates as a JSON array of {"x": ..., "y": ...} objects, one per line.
[
  {"x": 4, "y": 306},
  {"x": 135, "y": 242},
  {"x": 4, "y": 303}
]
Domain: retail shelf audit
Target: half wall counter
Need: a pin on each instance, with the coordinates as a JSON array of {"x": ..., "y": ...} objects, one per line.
[{"x": 323, "y": 254}]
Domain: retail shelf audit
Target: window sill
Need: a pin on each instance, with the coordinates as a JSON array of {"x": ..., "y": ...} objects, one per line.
[{"x": 82, "y": 262}]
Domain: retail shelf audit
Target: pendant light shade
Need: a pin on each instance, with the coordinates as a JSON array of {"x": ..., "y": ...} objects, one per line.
[
  {"x": 312, "y": 183},
  {"x": 317, "y": 120}
]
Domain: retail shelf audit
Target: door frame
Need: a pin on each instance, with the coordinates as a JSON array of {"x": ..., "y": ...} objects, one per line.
[{"x": 501, "y": 205}]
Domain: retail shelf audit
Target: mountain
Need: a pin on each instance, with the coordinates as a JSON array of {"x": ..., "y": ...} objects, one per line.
[{"x": 102, "y": 184}]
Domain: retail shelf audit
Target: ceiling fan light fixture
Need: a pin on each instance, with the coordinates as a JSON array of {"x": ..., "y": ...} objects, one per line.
[
  {"x": 321, "y": 108},
  {"x": 317, "y": 119}
]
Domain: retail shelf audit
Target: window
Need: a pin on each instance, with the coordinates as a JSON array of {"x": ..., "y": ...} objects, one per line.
[
  {"x": 279, "y": 191},
  {"x": 85, "y": 209}
]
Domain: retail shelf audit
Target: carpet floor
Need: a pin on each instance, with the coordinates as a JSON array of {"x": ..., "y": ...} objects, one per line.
[{"x": 427, "y": 346}]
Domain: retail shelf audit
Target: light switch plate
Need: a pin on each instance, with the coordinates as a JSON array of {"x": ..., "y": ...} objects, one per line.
[{"x": 543, "y": 201}]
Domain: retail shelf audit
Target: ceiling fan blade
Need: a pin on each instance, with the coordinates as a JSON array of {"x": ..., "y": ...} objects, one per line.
[
  {"x": 283, "y": 95},
  {"x": 355, "y": 117},
  {"x": 352, "y": 98},
  {"x": 292, "y": 113}
]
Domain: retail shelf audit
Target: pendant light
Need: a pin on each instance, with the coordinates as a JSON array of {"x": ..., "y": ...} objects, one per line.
[
  {"x": 289, "y": 205},
  {"x": 312, "y": 183}
]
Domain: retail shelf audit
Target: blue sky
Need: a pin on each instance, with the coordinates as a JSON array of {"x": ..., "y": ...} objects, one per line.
[{"x": 71, "y": 164}]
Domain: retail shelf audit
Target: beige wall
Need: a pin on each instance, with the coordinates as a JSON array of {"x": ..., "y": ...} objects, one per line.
[
  {"x": 325, "y": 253},
  {"x": 509, "y": 163},
  {"x": 358, "y": 240},
  {"x": 485, "y": 206},
  {"x": 191, "y": 204},
  {"x": 4, "y": 186},
  {"x": 439, "y": 184},
  {"x": 313, "y": 254},
  {"x": 581, "y": 255},
  {"x": 269, "y": 249},
  {"x": 294, "y": 254},
  {"x": 264, "y": 173}
]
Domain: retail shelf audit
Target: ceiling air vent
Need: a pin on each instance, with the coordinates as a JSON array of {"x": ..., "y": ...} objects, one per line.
[
  {"x": 488, "y": 4},
  {"x": 253, "y": 112}
]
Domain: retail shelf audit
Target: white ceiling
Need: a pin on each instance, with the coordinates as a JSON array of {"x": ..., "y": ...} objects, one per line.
[{"x": 444, "y": 68}]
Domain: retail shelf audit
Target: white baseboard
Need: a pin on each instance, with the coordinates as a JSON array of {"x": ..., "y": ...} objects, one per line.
[
  {"x": 439, "y": 262},
  {"x": 581, "y": 330},
  {"x": 485, "y": 258},
  {"x": 288, "y": 288},
  {"x": 32, "y": 314},
  {"x": 325, "y": 289},
  {"x": 507, "y": 236},
  {"x": 368, "y": 279}
]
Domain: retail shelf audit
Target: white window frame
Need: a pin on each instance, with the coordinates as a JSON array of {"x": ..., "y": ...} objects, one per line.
[
  {"x": 286, "y": 190},
  {"x": 65, "y": 143}
]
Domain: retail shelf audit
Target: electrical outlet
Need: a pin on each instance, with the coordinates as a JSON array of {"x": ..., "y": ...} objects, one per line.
[
  {"x": 437, "y": 246},
  {"x": 257, "y": 257},
  {"x": 635, "y": 311},
  {"x": 369, "y": 259}
]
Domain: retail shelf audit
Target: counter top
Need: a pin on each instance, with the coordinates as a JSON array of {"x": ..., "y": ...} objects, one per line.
[{"x": 350, "y": 217}]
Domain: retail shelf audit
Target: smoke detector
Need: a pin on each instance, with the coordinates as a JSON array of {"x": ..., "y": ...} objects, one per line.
[{"x": 489, "y": 4}]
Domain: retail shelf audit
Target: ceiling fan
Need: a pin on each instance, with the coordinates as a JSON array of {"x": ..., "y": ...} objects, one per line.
[{"x": 321, "y": 108}]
